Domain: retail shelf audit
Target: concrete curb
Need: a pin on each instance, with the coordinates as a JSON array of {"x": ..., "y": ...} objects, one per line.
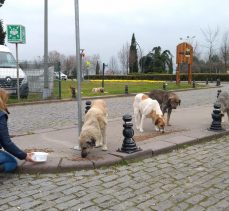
[{"x": 149, "y": 149}]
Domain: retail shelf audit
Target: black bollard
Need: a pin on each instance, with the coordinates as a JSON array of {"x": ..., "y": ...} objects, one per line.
[
  {"x": 217, "y": 82},
  {"x": 128, "y": 145},
  {"x": 164, "y": 85},
  {"x": 216, "y": 116},
  {"x": 193, "y": 84},
  {"x": 88, "y": 106},
  {"x": 126, "y": 89},
  {"x": 73, "y": 91},
  {"x": 218, "y": 92},
  {"x": 207, "y": 81}
]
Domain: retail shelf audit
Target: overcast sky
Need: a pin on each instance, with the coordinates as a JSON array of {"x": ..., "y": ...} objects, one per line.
[{"x": 106, "y": 25}]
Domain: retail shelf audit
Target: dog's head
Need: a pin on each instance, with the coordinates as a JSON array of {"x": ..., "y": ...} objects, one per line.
[
  {"x": 174, "y": 101},
  {"x": 86, "y": 146},
  {"x": 160, "y": 123}
]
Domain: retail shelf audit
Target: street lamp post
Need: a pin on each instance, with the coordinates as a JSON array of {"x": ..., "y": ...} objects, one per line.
[
  {"x": 141, "y": 56},
  {"x": 77, "y": 34},
  {"x": 188, "y": 39},
  {"x": 104, "y": 65},
  {"x": 46, "y": 93},
  {"x": 81, "y": 64}
]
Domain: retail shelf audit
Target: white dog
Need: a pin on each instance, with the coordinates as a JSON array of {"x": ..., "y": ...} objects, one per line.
[
  {"x": 145, "y": 107},
  {"x": 98, "y": 90},
  {"x": 93, "y": 132},
  {"x": 223, "y": 99}
]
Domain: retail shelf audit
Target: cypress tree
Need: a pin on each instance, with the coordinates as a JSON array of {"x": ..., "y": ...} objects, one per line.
[
  {"x": 133, "y": 56},
  {"x": 97, "y": 69},
  {"x": 2, "y": 34}
]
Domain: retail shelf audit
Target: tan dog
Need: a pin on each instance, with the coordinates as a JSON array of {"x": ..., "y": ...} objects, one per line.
[
  {"x": 145, "y": 107},
  {"x": 93, "y": 132},
  {"x": 98, "y": 90},
  {"x": 167, "y": 101}
]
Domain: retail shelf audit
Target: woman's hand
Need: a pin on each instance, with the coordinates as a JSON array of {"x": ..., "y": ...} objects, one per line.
[{"x": 29, "y": 157}]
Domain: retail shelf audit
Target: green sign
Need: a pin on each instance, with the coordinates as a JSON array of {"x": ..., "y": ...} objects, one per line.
[{"x": 16, "y": 34}]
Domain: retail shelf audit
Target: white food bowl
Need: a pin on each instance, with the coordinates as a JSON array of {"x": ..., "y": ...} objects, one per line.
[{"x": 40, "y": 156}]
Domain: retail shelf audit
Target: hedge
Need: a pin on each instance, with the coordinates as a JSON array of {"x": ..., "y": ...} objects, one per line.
[{"x": 163, "y": 77}]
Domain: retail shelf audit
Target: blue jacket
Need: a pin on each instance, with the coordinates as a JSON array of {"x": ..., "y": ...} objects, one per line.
[{"x": 5, "y": 141}]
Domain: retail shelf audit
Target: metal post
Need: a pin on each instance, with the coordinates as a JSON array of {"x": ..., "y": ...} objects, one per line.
[
  {"x": 78, "y": 66},
  {"x": 18, "y": 89},
  {"x": 46, "y": 93},
  {"x": 103, "y": 75},
  {"x": 59, "y": 79}
]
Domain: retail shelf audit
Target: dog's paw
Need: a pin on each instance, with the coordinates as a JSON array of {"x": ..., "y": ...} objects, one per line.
[
  {"x": 97, "y": 146},
  {"x": 141, "y": 130},
  {"x": 157, "y": 129},
  {"x": 104, "y": 148}
]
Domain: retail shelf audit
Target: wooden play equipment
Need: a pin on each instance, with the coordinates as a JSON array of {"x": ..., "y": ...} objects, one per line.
[{"x": 184, "y": 55}]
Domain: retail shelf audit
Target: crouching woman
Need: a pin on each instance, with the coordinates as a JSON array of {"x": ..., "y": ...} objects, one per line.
[{"x": 8, "y": 150}]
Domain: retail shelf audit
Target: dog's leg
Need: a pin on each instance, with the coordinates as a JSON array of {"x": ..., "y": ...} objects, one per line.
[
  {"x": 222, "y": 117},
  {"x": 141, "y": 123},
  {"x": 98, "y": 142},
  {"x": 104, "y": 147},
  {"x": 168, "y": 116},
  {"x": 137, "y": 118},
  {"x": 228, "y": 115}
]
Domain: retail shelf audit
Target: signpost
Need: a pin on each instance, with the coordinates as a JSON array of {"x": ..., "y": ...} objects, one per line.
[{"x": 16, "y": 34}]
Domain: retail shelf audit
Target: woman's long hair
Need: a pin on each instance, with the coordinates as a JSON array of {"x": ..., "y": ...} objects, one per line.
[{"x": 3, "y": 100}]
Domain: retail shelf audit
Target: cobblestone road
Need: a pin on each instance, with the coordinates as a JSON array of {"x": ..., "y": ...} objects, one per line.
[
  {"x": 55, "y": 115},
  {"x": 195, "y": 178}
]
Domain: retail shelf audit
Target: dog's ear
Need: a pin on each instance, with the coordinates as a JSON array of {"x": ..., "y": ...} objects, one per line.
[
  {"x": 157, "y": 121},
  {"x": 168, "y": 103}
]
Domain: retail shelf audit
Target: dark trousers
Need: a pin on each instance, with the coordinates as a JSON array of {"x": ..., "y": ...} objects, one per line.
[{"x": 8, "y": 163}]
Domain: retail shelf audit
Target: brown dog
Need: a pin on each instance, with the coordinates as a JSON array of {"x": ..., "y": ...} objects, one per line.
[{"x": 167, "y": 100}]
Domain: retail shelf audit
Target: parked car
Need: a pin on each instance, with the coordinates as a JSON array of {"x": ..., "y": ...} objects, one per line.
[
  {"x": 8, "y": 74},
  {"x": 62, "y": 75}
]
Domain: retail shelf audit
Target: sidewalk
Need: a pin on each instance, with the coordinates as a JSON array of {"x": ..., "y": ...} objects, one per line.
[{"x": 189, "y": 125}]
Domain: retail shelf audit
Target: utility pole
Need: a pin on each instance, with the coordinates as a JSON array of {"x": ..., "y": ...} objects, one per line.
[
  {"x": 77, "y": 33},
  {"x": 46, "y": 91}
]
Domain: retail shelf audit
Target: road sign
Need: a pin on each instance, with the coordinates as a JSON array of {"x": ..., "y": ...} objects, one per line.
[{"x": 16, "y": 34}]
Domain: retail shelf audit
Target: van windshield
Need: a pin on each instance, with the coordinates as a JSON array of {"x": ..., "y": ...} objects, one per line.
[{"x": 7, "y": 60}]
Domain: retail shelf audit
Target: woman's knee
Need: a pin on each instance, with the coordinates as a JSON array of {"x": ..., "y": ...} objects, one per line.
[{"x": 10, "y": 166}]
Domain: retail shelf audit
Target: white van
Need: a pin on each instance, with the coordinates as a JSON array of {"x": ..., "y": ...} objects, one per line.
[{"x": 8, "y": 74}]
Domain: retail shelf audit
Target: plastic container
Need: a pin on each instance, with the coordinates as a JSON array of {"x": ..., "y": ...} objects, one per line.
[{"x": 40, "y": 156}]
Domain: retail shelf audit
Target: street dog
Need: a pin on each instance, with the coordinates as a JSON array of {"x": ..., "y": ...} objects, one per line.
[
  {"x": 93, "y": 132},
  {"x": 223, "y": 99},
  {"x": 145, "y": 107},
  {"x": 167, "y": 100},
  {"x": 98, "y": 90}
]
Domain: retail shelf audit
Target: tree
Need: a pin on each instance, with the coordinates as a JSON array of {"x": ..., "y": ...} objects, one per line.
[
  {"x": 1, "y": 2},
  {"x": 158, "y": 61},
  {"x": 113, "y": 65},
  {"x": 2, "y": 34},
  {"x": 224, "y": 50},
  {"x": 123, "y": 56},
  {"x": 97, "y": 69},
  {"x": 133, "y": 56},
  {"x": 211, "y": 40}
]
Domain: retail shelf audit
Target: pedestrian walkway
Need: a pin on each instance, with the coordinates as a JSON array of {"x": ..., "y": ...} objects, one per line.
[{"x": 189, "y": 126}]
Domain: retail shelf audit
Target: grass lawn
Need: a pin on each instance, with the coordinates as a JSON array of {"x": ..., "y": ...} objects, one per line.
[{"x": 111, "y": 88}]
